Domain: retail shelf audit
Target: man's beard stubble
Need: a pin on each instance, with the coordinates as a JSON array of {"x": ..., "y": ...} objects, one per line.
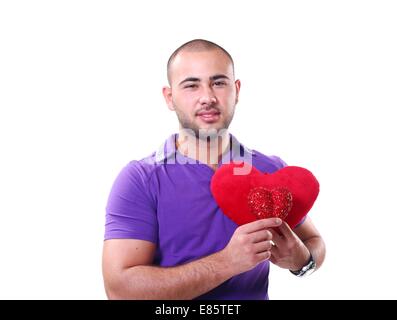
[{"x": 204, "y": 134}]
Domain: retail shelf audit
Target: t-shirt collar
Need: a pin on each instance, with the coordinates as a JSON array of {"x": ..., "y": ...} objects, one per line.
[{"x": 237, "y": 151}]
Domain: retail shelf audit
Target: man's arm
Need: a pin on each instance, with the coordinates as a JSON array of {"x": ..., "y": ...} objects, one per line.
[
  {"x": 293, "y": 247},
  {"x": 312, "y": 240},
  {"x": 128, "y": 273}
]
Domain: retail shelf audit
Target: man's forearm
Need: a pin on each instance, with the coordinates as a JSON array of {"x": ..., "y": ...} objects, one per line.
[
  {"x": 316, "y": 247},
  {"x": 181, "y": 282}
]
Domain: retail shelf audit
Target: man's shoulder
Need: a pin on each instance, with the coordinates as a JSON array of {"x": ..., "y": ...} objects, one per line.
[
  {"x": 261, "y": 161},
  {"x": 267, "y": 163},
  {"x": 143, "y": 167}
]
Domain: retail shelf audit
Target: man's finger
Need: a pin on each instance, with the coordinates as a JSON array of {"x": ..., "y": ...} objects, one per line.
[
  {"x": 275, "y": 252},
  {"x": 260, "y": 224},
  {"x": 262, "y": 246},
  {"x": 263, "y": 255},
  {"x": 272, "y": 259},
  {"x": 261, "y": 235},
  {"x": 286, "y": 231},
  {"x": 276, "y": 237}
]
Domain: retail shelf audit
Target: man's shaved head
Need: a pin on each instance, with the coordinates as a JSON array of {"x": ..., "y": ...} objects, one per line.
[{"x": 194, "y": 46}]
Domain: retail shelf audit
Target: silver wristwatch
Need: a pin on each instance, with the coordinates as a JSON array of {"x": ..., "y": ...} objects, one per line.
[{"x": 306, "y": 269}]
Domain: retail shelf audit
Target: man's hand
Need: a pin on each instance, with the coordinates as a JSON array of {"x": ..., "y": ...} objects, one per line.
[
  {"x": 250, "y": 245},
  {"x": 288, "y": 251}
]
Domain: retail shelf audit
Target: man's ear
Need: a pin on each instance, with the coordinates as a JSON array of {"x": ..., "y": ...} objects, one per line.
[
  {"x": 237, "y": 83},
  {"x": 167, "y": 93}
]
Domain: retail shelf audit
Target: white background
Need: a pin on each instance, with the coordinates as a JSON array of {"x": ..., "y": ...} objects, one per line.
[{"x": 80, "y": 96}]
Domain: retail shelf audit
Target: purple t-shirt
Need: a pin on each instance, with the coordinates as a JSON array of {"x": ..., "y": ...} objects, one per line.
[{"x": 166, "y": 199}]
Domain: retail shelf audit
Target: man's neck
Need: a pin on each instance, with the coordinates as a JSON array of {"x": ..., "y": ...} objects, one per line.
[{"x": 208, "y": 151}]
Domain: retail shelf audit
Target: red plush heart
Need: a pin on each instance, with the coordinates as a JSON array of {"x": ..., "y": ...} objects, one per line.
[{"x": 288, "y": 193}]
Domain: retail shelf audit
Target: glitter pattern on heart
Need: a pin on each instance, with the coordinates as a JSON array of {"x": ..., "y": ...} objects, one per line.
[{"x": 267, "y": 203}]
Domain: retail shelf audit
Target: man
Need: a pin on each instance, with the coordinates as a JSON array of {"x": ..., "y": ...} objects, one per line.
[{"x": 165, "y": 236}]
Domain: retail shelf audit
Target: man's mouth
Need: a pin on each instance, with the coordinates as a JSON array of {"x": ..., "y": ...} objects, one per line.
[{"x": 209, "y": 116}]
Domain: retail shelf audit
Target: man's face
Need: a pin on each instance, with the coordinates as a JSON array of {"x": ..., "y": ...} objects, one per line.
[{"x": 203, "y": 91}]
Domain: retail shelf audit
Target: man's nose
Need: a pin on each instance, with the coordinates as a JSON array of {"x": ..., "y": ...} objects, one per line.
[{"x": 207, "y": 97}]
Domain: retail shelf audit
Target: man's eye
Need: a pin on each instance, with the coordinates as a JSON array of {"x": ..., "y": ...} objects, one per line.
[
  {"x": 219, "y": 83},
  {"x": 191, "y": 86}
]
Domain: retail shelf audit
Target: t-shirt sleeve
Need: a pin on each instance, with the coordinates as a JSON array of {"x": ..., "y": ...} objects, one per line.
[
  {"x": 130, "y": 210},
  {"x": 278, "y": 162}
]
